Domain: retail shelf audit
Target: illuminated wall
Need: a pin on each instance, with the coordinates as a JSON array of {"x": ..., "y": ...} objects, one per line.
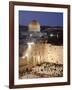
[{"x": 39, "y": 53}]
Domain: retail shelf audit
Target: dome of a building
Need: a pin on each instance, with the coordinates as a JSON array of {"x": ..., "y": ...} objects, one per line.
[{"x": 34, "y": 25}]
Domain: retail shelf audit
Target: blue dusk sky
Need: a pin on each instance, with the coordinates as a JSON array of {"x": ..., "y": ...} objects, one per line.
[{"x": 44, "y": 18}]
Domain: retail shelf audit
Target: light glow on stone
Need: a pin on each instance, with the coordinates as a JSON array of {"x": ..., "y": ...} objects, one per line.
[
  {"x": 29, "y": 44},
  {"x": 51, "y": 35}
]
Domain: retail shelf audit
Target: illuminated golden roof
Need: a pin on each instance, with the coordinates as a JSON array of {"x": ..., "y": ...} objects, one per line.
[{"x": 34, "y": 26}]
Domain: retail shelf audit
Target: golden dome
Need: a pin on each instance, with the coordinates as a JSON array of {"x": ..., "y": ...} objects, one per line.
[{"x": 34, "y": 26}]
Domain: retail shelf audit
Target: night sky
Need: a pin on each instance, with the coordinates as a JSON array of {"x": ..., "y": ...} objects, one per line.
[{"x": 44, "y": 18}]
